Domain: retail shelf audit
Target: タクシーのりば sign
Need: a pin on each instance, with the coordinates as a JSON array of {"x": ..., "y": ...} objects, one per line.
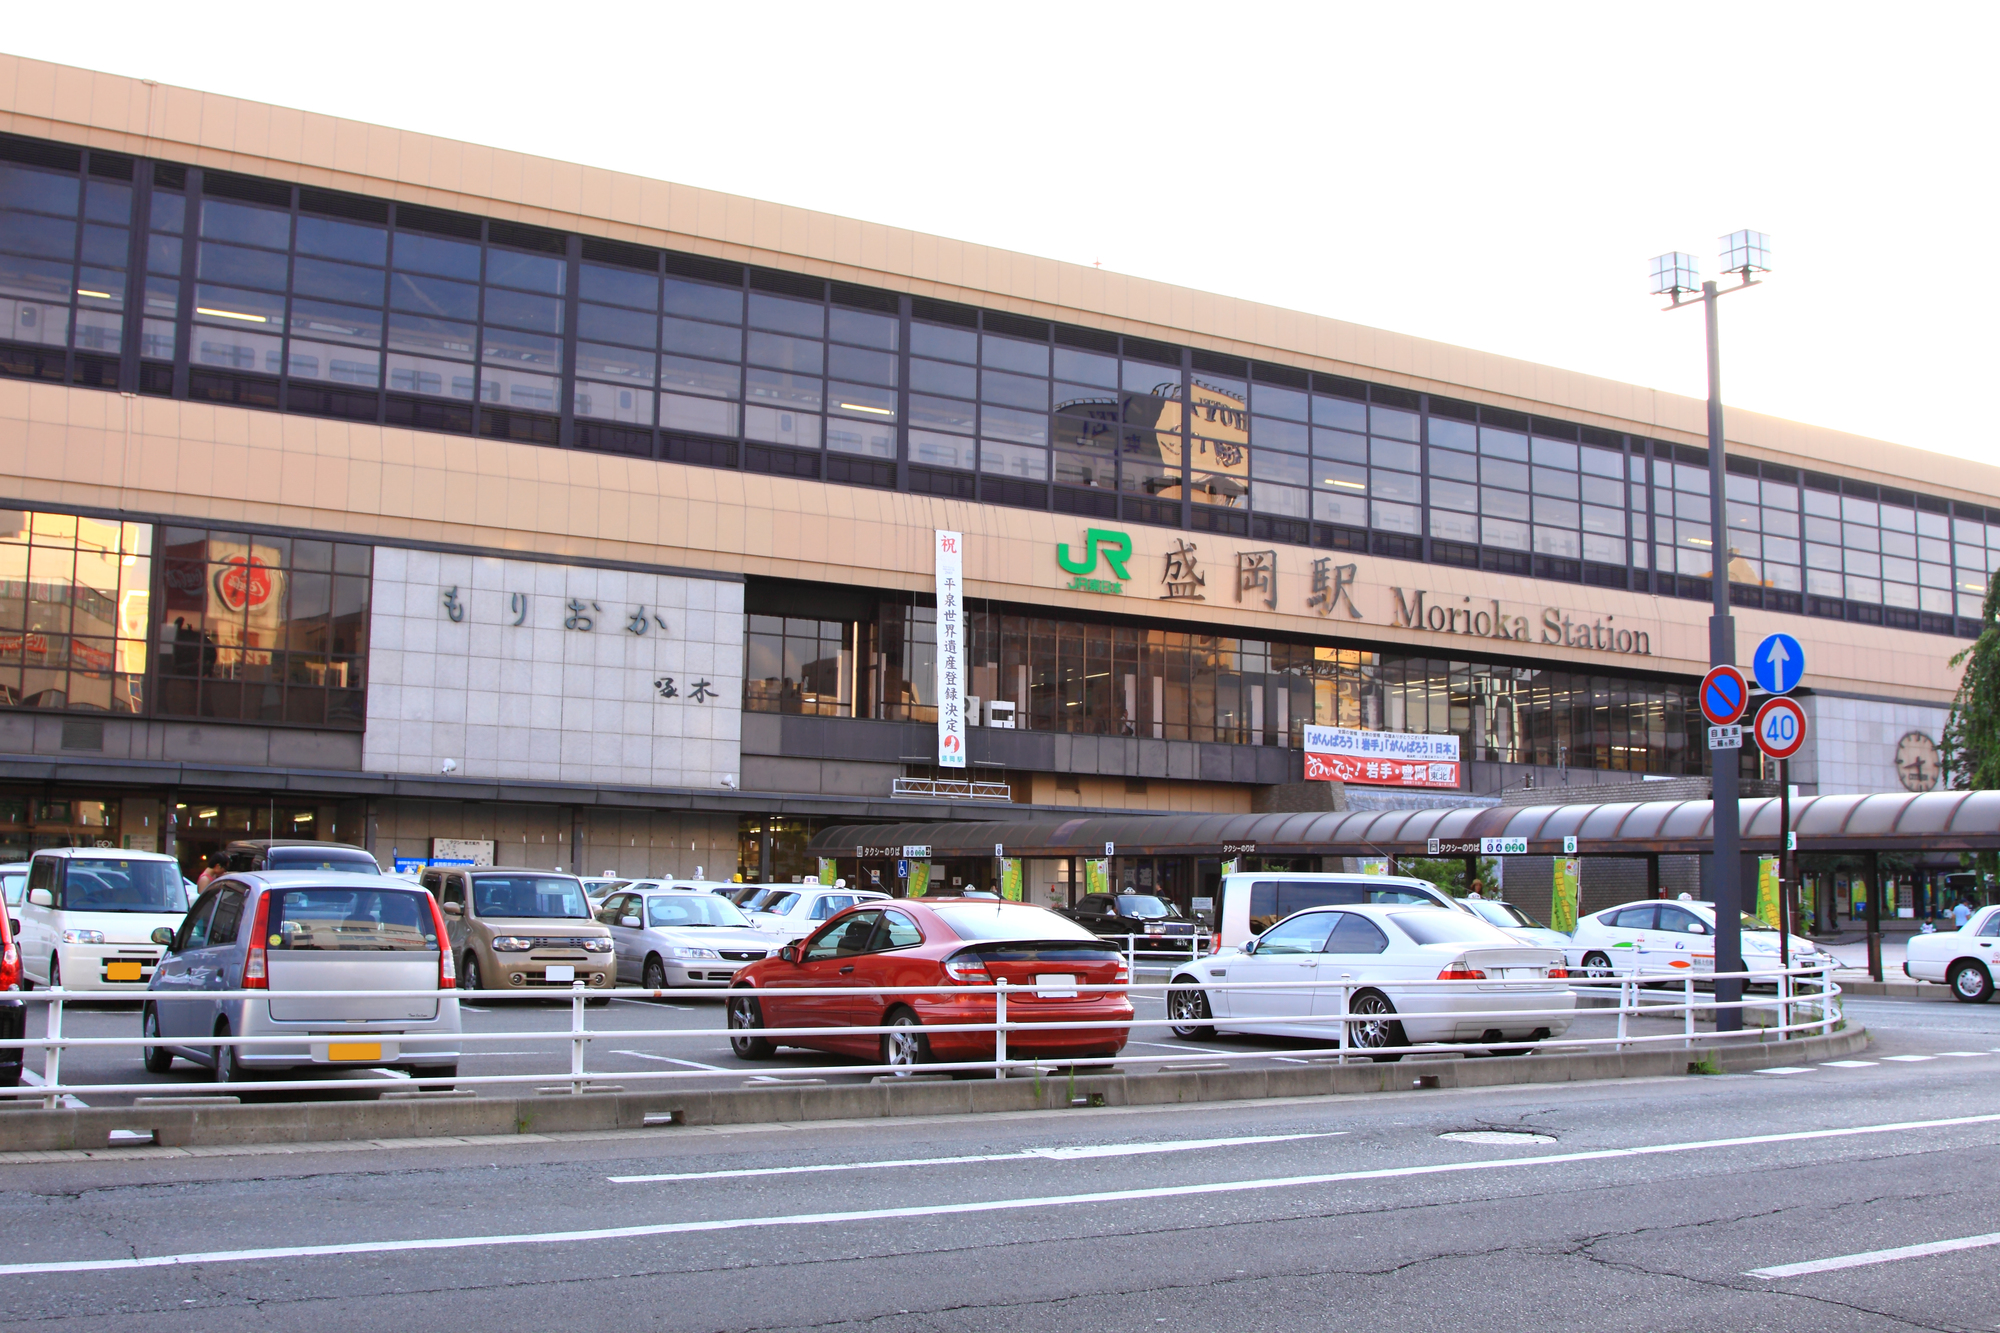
[{"x": 951, "y": 649}]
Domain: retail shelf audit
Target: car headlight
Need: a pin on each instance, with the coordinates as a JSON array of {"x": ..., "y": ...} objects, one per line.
[
  {"x": 512, "y": 944},
  {"x": 597, "y": 946},
  {"x": 692, "y": 953},
  {"x": 83, "y": 937}
]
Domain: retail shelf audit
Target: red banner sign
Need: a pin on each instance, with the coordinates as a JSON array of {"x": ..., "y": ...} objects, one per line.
[{"x": 1381, "y": 772}]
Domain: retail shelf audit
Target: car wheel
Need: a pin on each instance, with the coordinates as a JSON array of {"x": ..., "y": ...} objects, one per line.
[
  {"x": 1596, "y": 965},
  {"x": 904, "y": 1046},
  {"x": 1377, "y": 1029},
  {"x": 226, "y": 1068},
  {"x": 468, "y": 975},
  {"x": 158, "y": 1058},
  {"x": 55, "y": 972},
  {"x": 656, "y": 973},
  {"x": 1190, "y": 1014},
  {"x": 1971, "y": 983},
  {"x": 436, "y": 1071},
  {"x": 747, "y": 1016}
]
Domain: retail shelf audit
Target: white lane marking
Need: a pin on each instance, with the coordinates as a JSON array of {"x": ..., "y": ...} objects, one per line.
[
  {"x": 1962, "y": 1055},
  {"x": 1848, "y": 1064},
  {"x": 950, "y": 1209},
  {"x": 670, "y": 1060},
  {"x": 1911, "y": 1058},
  {"x": 33, "y": 1079},
  {"x": 652, "y": 1004},
  {"x": 1867, "y": 1257},
  {"x": 1029, "y": 1154},
  {"x": 1786, "y": 1069}
]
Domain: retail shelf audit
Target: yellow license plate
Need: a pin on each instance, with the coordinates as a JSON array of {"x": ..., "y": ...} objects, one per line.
[
  {"x": 354, "y": 1050},
  {"x": 121, "y": 971}
]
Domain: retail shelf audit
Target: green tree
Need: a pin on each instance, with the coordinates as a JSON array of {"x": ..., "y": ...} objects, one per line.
[
  {"x": 1970, "y": 750},
  {"x": 1448, "y": 873}
]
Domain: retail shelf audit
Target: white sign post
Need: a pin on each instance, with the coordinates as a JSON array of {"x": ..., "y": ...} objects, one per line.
[{"x": 950, "y": 649}]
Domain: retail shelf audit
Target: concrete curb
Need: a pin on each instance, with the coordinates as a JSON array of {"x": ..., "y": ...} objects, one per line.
[
  {"x": 1906, "y": 990},
  {"x": 182, "y": 1125}
]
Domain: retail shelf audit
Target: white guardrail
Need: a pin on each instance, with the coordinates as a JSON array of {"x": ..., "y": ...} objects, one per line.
[{"x": 1806, "y": 1003}]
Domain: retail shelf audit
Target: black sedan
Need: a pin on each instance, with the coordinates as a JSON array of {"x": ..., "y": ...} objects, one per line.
[{"x": 1150, "y": 922}]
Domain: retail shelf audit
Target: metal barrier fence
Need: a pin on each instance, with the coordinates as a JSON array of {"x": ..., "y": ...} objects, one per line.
[{"x": 1798, "y": 991}]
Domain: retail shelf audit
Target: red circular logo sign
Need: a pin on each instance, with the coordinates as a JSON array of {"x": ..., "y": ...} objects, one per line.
[{"x": 243, "y": 581}]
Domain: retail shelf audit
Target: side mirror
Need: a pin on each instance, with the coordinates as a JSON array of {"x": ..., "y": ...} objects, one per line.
[
  {"x": 41, "y": 898},
  {"x": 629, "y": 922},
  {"x": 1249, "y": 946},
  {"x": 1698, "y": 929},
  {"x": 163, "y": 936},
  {"x": 14, "y": 926},
  {"x": 790, "y": 953},
  {"x": 454, "y": 909}
]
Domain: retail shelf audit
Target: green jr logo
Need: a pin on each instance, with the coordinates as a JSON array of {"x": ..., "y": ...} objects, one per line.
[{"x": 1114, "y": 547}]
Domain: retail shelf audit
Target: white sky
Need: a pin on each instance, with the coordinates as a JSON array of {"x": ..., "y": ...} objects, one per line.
[{"x": 1493, "y": 176}]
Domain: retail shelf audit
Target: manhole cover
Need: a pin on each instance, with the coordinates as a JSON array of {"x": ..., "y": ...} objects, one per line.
[{"x": 1498, "y": 1136}]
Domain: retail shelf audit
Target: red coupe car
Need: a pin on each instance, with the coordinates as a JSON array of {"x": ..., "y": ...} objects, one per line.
[{"x": 952, "y": 944}]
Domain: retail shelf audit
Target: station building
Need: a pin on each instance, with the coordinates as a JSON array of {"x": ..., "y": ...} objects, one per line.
[{"x": 367, "y": 485}]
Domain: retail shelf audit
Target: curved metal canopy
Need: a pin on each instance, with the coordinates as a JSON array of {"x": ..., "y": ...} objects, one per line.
[{"x": 1943, "y": 821}]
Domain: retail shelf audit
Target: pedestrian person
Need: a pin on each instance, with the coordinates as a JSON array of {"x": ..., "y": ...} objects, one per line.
[
  {"x": 208, "y": 873},
  {"x": 1478, "y": 889},
  {"x": 1961, "y": 914}
]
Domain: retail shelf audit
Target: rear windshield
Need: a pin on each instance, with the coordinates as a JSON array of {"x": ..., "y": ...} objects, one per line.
[
  {"x": 322, "y": 858},
  {"x": 13, "y": 883},
  {"x": 528, "y": 895},
  {"x": 1100, "y": 951},
  {"x": 678, "y": 911},
  {"x": 111, "y": 885},
  {"x": 1009, "y": 921},
  {"x": 1145, "y": 907},
  {"x": 1448, "y": 928},
  {"x": 350, "y": 919},
  {"x": 1271, "y": 901},
  {"x": 1503, "y": 915},
  {"x": 779, "y": 903}
]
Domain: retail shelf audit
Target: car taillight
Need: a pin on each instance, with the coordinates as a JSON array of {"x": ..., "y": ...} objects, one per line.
[
  {"x": 1460, "y": 971},
  {"x": 10, "y": 967},
  {"x": 254, "y": 975},
  {"x": 447, "y": 969},
  {"x": 1123, "y": 974},
  {"x": 1558, "y": 972},
  {"x": 968, "y": 969}
]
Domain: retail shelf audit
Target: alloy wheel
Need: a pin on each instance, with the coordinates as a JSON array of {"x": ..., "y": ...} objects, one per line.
[
  {"x": 1373, "y": 1033},
  {"x": 1596, "y": 965},
  {"x": 656, "y": 974},
  {"x": 1188, "y": 1010},
  {"x": 746, "y": 1017},
  {"x": 903, "y": 1046},
  {"x": 469, "y": 974},
  {"x": 1971, "y": 983}
]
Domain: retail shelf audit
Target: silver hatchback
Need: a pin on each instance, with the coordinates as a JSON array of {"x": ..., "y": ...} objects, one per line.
[{"x": 293, "y": 932}]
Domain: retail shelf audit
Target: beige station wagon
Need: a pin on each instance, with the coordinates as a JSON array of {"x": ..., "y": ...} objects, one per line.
[{"x": 516, "y": 929}]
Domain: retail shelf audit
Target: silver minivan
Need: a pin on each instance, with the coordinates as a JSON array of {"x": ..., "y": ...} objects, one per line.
[{"x": 289, "y": 931}]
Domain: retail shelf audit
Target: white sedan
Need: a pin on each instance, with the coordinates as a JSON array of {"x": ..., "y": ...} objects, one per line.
[
  {"x": 1962, "y": 959},
  {"x": 1384, "y": 960},
  {"x": 1655, "y": 938},
  {"x": 796, "y": 912},
  {"x": 669, "y": 938}
]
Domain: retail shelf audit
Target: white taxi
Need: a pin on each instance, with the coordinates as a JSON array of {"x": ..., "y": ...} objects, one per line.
[{"x": 1656, "y": 938}]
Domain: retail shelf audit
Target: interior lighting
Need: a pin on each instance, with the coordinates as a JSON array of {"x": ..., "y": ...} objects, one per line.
[
  {"x": 1350, "y": 485},
  {"x": 231, "y": 314},
  {"x": 863, "y": 407},
  {"x": 102, "y": 296}
]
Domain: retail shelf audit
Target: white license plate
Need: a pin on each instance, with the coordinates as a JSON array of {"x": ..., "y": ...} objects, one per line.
[
  {"x": 1054, "y": 986},
  {"x": 559, "y": 972},
  {"x": 1520, "y": 973}
]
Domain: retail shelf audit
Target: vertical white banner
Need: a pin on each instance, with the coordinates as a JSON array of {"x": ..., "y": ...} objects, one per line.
[{"x": 951, "y": 649}]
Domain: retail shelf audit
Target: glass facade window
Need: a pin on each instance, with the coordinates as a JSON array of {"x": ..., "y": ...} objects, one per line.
[
  {"x": 74, "y": 604},
  {"x": 270, "y": 295},
  {"x": 259, "y": 628}
]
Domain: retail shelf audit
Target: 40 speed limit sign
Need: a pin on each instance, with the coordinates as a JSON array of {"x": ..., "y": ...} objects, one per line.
[{"x": 1780, "y": 728}]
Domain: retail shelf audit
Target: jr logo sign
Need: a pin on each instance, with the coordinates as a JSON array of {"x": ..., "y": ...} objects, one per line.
[{"x": 1114, "y": 548}]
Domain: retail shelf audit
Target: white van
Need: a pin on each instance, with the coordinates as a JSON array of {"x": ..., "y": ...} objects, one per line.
[
  {"x": 1254, "y": 901},
  {"x": 88, "y": 917}
]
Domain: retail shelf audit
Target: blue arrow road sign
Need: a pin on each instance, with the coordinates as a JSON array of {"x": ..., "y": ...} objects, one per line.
[{"x": 1778, "y": 664}]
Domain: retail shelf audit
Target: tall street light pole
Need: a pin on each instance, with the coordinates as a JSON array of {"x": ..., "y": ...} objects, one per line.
[{"x": 1675, "y": 275}]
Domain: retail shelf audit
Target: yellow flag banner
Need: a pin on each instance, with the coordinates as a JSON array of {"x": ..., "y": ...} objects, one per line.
[
  {"x": 1767, "y": 890},
  {"x": 1010, "y": 878},
  {"x": 826, "y": 869},
  {"x": 920, "y": 878},
  {"x": 1097, "y": 875},
  {"x": 1563, "y": 894}
]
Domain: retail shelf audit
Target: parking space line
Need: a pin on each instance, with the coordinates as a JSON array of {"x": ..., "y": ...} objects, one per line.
[
  {"x": 1848, "y": 1064},
  {"x": 1027, "y": 1154},
  {"x": 1962, "y": 1055},
  {"x": 1786, "y": 1069},
  {"x": 1910, "y": 1058},
  {"x": 1868, "y": 1257},
  {"x": 651, "y": 1004},
  {"x": 671, "y": 1060},
  {"x": 409, "y": 1244}
]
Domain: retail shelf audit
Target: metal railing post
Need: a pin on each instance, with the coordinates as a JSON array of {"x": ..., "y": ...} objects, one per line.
[
  {"x": 1346, "y": 995},
  {"x": 1000, "y": 1028},
  {"x": 1131, "y": 955},
  {"x": 577, "y": 1038},
  {"x": 1826, "y": 1000},
  {"x": 52, "y": 1054},
  {"x": 1687, "y": 1011},
  {"x": 1784, "y": 1006},
  {"x": 1626, "y": 997}
]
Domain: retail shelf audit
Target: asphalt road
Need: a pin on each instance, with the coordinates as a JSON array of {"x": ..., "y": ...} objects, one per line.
[
  {"x": 1644, "y": 1205},
  {"x": 701, "y": 1058}
]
